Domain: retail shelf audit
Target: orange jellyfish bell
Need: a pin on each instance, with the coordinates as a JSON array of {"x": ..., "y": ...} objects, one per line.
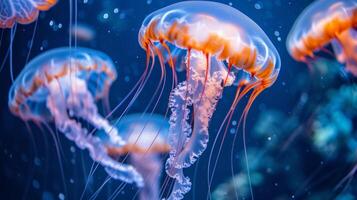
[
  {"x": 214, "y": 40},
  {"x": 22, "y": 11},
  {"x": 326, "y": 22}
]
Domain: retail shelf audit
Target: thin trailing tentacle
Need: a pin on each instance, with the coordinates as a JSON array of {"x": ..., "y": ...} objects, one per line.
[{"x": 74, "y": 131}]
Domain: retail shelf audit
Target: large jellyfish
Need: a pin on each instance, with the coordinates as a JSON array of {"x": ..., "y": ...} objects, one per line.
[
  {"x": 22, "y": 11},
  {"x": 326, "y": 22},
  {"x": 213, "y": 39},
  {"x": 147, "y": 137},
  {"x": 61, "y": 85}
]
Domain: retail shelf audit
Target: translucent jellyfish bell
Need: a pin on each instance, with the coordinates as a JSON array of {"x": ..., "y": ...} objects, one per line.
[
  {"x": 326, "y": 22},
  {"x": 61, "y": 85},
  {"x": 22, "y": 11},
  {"x": 206, "y": 35},
  {"x": 146, "y": 138}
]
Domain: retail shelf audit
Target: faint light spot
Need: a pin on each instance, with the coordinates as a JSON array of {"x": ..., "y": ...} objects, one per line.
[
  {"x": 61, "y": 196},
  {"x": 37, "y": 161},
  {"x": 149, "y": 2},
  {"x": 258, "y": 5},
  {"x": 232, "y": 131},
  {"x": 122, "y": 15},
  {"x": 35, "y": 184},
  {"x": 116, "y": 10}
]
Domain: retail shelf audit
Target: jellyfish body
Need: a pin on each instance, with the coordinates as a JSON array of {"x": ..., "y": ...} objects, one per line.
[
  {"x": 208, "y": 35},
  {"x": 63, "y": 84},
  {"x": 326, "y": 22},
  {"x": 146, "y": 138},
  {"x": 22, "y": 11}
]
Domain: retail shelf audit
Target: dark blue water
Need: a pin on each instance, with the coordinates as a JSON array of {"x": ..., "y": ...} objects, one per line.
[{"x": 283, "y": 167}]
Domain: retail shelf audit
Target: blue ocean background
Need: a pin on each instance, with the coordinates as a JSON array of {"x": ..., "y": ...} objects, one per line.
[{"x": 29, "y": 165}]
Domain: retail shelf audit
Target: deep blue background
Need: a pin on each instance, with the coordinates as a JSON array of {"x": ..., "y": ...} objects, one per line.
[{"x": 117, "y": 37}]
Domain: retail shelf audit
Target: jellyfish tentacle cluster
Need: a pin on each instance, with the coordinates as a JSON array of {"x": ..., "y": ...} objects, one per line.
[
  {"x": 63, "y": 84},
  {"x": 211, "y": 34},
  {"x": 147, "y": 137},
  {"x": 22, "y": 11},
  {"x": 326, "y": 22},
  {"x": 190, "y": 142}
]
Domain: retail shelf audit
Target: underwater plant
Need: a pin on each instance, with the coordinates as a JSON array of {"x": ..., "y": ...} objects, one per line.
[{"x": 323, "y": 120}]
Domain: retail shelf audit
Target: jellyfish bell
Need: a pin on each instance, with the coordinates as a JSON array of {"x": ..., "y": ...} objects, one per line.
[
  {"x": 22, "y": 11},
  {"x": 143, "y": 134},
  {"x": 63, "y": 84},
  {"x": 211, "y": 35},
  {"x": 322, "y": 23},
  {"x": 146, "y": 137},
  {"x": 13, "y": 12}
]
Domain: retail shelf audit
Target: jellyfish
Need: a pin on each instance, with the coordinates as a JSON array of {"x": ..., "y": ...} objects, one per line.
[
  {"x": 83, "y": 32},
  {"x": 220, "y": 46},
  {"x": 322, "y": 23},
  {"x": 22, "y": 11},
  {"x": 62, "y": 85},
  {"x": 146, "y": 136}
]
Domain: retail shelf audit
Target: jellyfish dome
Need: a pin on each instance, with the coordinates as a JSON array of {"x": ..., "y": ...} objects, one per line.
[
  {"x": 212, "y": 40},
  {"x": 146, "y": 137},
  {"x": 22, "y": 11},
  {"x": 61, "y": 85},
  {"x": 326, "y": 22}
]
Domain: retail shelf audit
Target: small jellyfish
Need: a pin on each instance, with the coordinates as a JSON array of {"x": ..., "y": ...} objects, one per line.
[
  {"x": 62, "y": 85},
  {"x": 214, "y": 40},
  {"x": 326, "y": 22},
  {"x": 83, "y": 32},
  {"x": 22, "y": 11},
  {"x": 147, "y": 137}
]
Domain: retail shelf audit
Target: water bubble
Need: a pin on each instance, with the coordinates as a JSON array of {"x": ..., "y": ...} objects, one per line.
[
  {"x": 258, "y": 5},
  {"x": 61, "y": 196}
]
